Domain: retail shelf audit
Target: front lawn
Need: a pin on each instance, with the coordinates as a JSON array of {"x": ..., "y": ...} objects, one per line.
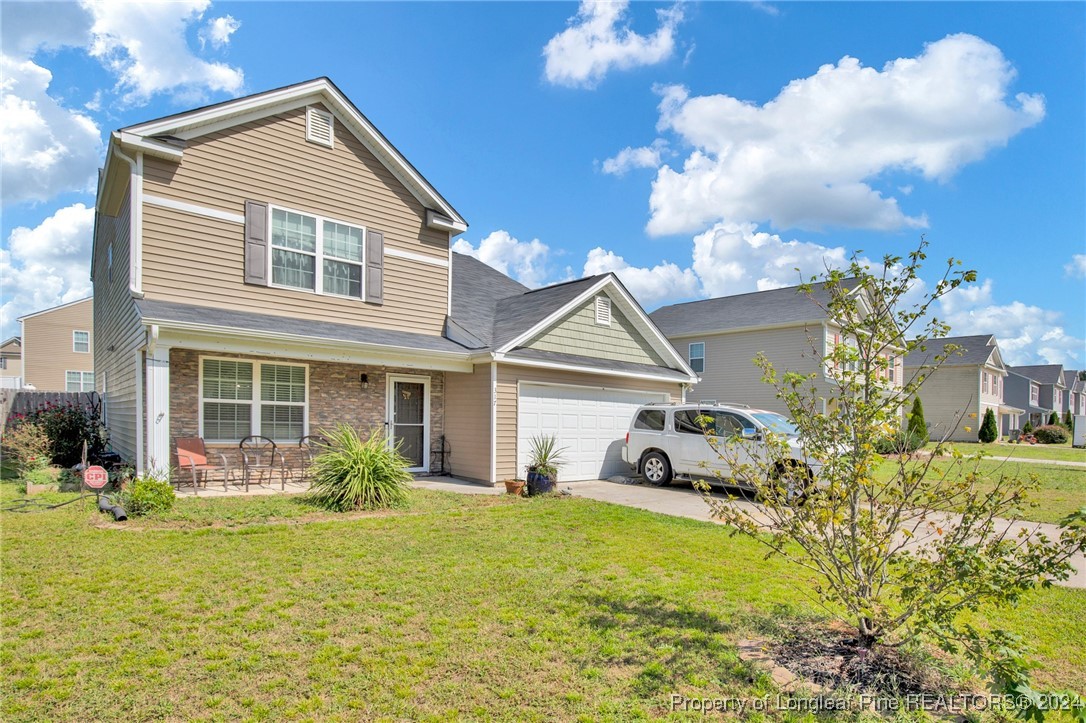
[
  {"x": 1004, "y": 450},
  {"x": 459, "y": 606}
]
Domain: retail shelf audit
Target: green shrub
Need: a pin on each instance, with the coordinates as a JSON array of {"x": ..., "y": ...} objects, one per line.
[
  {"x": 988, "y": 429},
  {"x": 28, "y": 444},
  {"x": 917, "y": 425},
  {"x": 355, "y": 474},
  {"x": 902, "y": 442},
  {"x": 1053, "y": 418},
  {"x": 1050, "y": 434},
  {"x": 147, "y": 496},
  {"x": 1027, "y": 428},
  {"x": 68, "y": 426},
  {"x": 1068, "y": 420},
  {"x": 38, "y": 476}
]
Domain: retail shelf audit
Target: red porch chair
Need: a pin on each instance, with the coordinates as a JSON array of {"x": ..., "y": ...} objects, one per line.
[{"x": 192, "y": 455}]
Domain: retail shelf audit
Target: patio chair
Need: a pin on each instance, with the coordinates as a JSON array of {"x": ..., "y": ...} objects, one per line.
[
  {"x": 261, "y": 455},
  {"x": 311, "y": 445},
  {"x": 192, "y": 455}
]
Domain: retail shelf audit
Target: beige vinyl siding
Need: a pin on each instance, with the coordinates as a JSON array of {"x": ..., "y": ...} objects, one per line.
[
  {"x": 951, "y": 397},
  {"x": 47, "y": 345},
  {"x": 198, "y": 260},
  {"x": 13, "y": 356},
  {"x": 118, "y": 333},
  {"x": 730, "y": 374},
  {"x": 506, "y": 413},
  {"x": 579, "y": 334},
  {"x": 467, "y": 422},
  {"x": 269, "y": 160}
]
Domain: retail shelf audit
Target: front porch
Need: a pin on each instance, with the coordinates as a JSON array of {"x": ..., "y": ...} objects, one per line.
[{"x": 443, "y": 483}]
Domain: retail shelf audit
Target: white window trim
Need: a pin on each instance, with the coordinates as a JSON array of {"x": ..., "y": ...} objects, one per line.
[
  {"x": 318, "y": 277},
  {"x": 255, "y": 402},
  {"x": 82, "y": 380},
  {"x": 690, "y": 356},
  {"x": 1034, "y": 394},
  {"x": 74, "y": 349}
]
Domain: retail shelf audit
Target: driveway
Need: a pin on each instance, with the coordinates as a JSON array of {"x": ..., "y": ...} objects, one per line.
[{"x": 681, "y": 500}]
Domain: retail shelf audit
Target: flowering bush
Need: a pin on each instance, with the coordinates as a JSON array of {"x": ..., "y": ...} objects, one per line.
[
  {"x": 29, "y": 445},
  {"x": 67, "y": 427}
]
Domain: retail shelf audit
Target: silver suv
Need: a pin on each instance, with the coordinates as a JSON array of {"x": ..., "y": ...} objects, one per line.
[{"x": 668, "y": 441}]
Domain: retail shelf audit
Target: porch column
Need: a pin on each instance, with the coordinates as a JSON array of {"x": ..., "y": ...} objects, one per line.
[{"x": 158, "y": 410}]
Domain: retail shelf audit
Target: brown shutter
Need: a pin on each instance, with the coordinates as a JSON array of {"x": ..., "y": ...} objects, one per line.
[
  {"x": 375, "y": 267},
  {"x": 256, "y": 243}
]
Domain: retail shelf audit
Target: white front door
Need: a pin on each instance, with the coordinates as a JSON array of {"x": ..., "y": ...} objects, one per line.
[
  {"x": 589, "y": 422},
  {"x": 409, "y": 419}
]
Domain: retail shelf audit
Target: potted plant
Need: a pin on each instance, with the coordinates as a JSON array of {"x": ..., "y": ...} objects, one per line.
[
  {"x": 545, "y": 457},
  {"x": 514, "y": 487}
]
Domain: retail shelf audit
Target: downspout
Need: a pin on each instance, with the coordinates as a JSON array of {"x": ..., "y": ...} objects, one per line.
[
  {"x": 494, "y": 423},
  {"x": 135, "y": 222}
]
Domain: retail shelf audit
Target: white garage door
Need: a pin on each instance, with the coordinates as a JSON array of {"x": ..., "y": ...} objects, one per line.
[{"x": 590, "y": 423}]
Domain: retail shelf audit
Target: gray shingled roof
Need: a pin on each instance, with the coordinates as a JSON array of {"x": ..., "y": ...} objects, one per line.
[
  {"x": 1071, "y": 380},
  {"x": 519, "y": 314},
  {"x": 170, "y": 311},
  {"x": 1043, "y": 373},
  {"x": 560, "y": 358},
  {"x": 476, "y": 291},
  {"x": 975, "y": 351},
  {"x": 758, "y": 308}
]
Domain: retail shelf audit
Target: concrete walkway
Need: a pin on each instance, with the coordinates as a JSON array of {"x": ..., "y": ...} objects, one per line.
[{"x": 681, "y": 500}]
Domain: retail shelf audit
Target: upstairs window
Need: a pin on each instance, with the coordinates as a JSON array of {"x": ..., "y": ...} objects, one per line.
[
  {"x": 1034, "y": 394},
  {"x": 81, "y": 342},
  {"x": 984, "y": 382},
  {"x": 697, "y": 357},
  {"x": 316, "y": 254}
]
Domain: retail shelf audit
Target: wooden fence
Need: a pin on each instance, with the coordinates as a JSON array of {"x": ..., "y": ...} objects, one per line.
[{"x": 13, "y": 403}]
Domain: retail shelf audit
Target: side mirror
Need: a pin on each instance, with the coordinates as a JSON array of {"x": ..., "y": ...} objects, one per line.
[{"x": 750, "y": 433}]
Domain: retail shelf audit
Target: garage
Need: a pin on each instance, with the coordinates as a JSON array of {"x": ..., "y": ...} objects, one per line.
[{"x": 591, "y": 422}]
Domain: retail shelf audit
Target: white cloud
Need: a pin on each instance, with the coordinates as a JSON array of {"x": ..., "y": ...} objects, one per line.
[
  {"x": 806, "y": 159},
  {"x": 48, "y": 149},
  {"x": 145, "y": 45},
  {"x": 599, "y": 39},
  {"x": 663, "y": 282},
  {"x": 1027, "y": 334},
  {"x": 629, "y": 158},
  {"x": 46, "y": 265},
  {"x": 525, "y": 261},
  {"x": 217, "y": 31},
  {"x": 27, "y": 27},
  {"x": 766, "y": 7},
  {"x": 1076, "y": 268}
]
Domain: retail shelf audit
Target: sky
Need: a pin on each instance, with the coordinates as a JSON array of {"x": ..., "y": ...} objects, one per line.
[{"x": 695, "y": 149}]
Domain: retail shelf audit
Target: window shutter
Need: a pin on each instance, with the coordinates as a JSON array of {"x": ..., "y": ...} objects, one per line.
[
  {"x": 375, "y": 267},
  {"x": 256, "y": 243}
]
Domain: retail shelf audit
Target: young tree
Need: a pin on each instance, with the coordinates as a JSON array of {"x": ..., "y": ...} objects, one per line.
[
  {"x": 1054, "y": 418},
  {"x": 906, "y": 556},
  {"x": 1027, "y": 428},
  {"x": 917, "y": 423},
  {"x": 989, "y": 432},
  {"x": 1068, "y": 420}
]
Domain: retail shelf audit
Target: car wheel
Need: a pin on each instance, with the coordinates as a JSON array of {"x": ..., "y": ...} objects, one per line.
[
  {"x": 793, "y": 483},
  {"x": 656, "y": 469}
]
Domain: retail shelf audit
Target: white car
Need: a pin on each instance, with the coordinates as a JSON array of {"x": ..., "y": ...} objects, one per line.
[{"x": 667, "y": 442}]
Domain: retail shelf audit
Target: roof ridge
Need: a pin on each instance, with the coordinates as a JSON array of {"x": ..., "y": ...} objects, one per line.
[{"x": 749, "y": 293}]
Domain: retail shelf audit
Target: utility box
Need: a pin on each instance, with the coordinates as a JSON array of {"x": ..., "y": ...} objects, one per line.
[{"x": 1079, "y": 438}]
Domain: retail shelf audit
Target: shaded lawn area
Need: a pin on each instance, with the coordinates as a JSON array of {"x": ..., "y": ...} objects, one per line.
[
  {"x": 1062, "y": 490},
  {"x": 463, "y": 606},
  {"x": 1004, "y": 450}
]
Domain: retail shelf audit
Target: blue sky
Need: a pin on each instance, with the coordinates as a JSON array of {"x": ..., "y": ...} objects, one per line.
[{"x": 697, "y": 149}]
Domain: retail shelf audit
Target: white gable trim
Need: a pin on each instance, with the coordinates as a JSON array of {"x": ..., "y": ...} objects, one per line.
[
  {"x": 47, "y": 311},
  {"x": 629, "y": 307},
  {"x": 224, "y": 115}
]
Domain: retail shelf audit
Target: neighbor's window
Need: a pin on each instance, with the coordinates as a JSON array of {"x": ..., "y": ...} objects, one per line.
[
  {"x": 1034, "y": 394},
  {"x": 315, "y": 254},
  {"x": 79, "y": 381},
  {"x": 81, "y": 341},
  {"x": 697, "y": 357},
  {"x": 231, "y": 409},
  {"x": 984, "y": 382}
]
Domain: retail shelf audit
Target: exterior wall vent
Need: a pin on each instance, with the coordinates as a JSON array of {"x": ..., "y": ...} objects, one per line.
[
  {"x": 319, "y": 126},
  {"x": 603, "y": 310}
]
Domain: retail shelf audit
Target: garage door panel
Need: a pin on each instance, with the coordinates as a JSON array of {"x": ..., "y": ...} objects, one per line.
[{"x": 590, "y": 422}]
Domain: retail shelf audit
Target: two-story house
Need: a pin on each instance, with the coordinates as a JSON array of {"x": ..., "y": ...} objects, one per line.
[
  {"x": 958, "y": 391},
  {"x": 11, "y": 363},
  {"x": 722, "y": 336},
  {"x": 1039, "y": 390},
  {"x": 58, "y": 348},
  {"x": 1075, "y": 396},
  {"x": 273, "y": 265}
]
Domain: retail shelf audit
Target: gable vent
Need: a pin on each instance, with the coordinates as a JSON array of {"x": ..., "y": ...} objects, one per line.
[
  {"x": 603, "y": 310},
  {"x": 318, "y": 126}
]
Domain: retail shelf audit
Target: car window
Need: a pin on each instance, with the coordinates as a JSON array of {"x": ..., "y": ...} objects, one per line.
[
  {"x": 650, "y": 419},
  {"x": 717, "y": 424},
  {"x": 730, "y": 425},
  {"x": 686, "y": 421},
  {"x": 777, "y": 423}
]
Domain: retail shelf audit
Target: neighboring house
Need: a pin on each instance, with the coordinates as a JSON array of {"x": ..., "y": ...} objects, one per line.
[
  {"x": 11, "y": 363},
  {"x": 273, "y": 265},
  {"x": 1037, "y": 389},
  {"x": 58, "y": 348},
  {"x": 721, "y": 337},
  {"x": 1075, "y": 396},
  {"x": 958, "y": 391}
]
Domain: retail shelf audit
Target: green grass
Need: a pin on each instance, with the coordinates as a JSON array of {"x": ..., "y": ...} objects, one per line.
[
  {"x": 1062, "y": 490},
  {"x": 1004, "y": 450},
  {"x": 471, "y": 607}
]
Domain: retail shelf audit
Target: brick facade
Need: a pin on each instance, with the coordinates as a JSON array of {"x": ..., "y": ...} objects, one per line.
[{"x": 335, "y": 395}]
